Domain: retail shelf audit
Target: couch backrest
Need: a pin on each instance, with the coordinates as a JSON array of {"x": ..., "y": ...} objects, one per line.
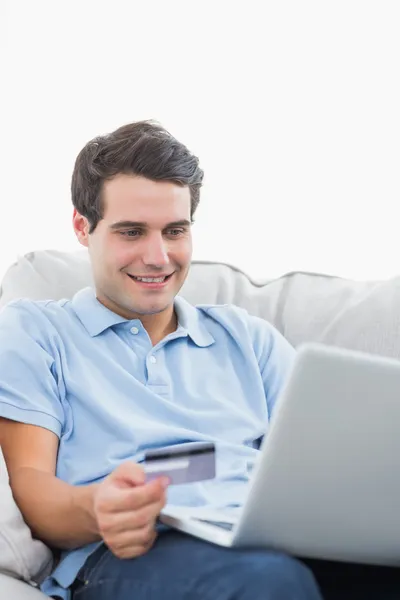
[{"x": 363, "y": 315}]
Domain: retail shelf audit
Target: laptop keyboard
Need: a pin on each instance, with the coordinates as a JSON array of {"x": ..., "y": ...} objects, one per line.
[{"x": 222, "y": 524}]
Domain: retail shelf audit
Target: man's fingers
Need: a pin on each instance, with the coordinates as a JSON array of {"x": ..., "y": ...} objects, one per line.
[
  {"x": 126, "y": 512},
  {"x": 130, "y": 545},
  {"x": 128, "y": 474},
  {"x": 127, "y": 499},
  {"x": 131, "y": 520}
]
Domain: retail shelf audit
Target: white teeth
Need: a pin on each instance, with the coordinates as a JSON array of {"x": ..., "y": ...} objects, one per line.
[{"x": 150, "y": 279}]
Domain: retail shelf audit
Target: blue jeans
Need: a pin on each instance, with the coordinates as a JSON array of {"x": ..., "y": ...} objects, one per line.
[{"x": 180, "y": 567}]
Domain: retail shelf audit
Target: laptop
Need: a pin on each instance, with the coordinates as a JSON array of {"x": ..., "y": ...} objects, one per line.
[{"x": 326, "y": 483}]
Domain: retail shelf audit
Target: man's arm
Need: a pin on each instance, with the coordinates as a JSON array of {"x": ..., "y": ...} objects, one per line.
[
  {"x": 121, "y": 510},
  {"x": 59, "y": 514}
]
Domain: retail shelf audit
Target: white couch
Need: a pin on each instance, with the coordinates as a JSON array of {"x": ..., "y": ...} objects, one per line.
[{"x": 303, "y": 306}]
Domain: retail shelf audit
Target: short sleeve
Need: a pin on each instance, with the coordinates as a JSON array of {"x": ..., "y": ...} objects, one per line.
[
  {"x": 28, "y": 384},
  {"x": 275, "y": 357}
]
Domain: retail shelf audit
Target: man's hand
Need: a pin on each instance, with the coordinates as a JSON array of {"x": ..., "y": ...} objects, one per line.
[{"x": 126, "y": 509}]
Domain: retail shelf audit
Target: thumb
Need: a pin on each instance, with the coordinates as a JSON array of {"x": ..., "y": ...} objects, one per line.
[{"x": 128, "y": 474}]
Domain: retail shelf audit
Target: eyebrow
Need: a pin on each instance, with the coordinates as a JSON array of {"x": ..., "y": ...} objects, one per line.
[{"x": 132, "y": 224}]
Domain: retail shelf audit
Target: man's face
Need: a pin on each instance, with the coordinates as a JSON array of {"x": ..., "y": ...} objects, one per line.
[{"x": 141, "y": 250}]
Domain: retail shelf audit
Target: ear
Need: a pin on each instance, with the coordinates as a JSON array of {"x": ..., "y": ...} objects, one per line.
[{"x": 81, "y": 228}]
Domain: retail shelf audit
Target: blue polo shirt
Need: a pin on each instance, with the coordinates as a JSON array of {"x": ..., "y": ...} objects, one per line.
[{"x": 94, "y": 379}]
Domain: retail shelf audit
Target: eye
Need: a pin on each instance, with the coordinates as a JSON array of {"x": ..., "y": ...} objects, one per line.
[
  {"x": 131, "y": 233},
  {"x": 175, "y": 232}
]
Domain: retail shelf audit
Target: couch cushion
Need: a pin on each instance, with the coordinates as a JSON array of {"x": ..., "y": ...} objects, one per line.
[{"x": 20, "y": 555}]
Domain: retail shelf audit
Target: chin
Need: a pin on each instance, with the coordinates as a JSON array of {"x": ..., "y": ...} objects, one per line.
[{"x": 150, "y": 309}]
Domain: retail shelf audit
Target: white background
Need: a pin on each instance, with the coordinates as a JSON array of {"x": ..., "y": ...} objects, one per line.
[{"x": 292, "y": 107}]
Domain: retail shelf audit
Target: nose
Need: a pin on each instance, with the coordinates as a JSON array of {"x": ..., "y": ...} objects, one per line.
[{"x": 155, "y": 252}]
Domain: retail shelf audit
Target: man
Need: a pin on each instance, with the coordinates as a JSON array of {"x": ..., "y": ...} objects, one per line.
[{"x": 87, "y": 385}]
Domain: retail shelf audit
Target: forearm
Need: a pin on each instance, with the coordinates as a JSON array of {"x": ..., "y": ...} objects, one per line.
[{"x": 59, "y": 514}]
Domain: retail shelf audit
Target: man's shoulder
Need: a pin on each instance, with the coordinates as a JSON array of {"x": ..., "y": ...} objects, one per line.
[
  {"x": 235, "y": 318},
  {"x": 229, "y": 312},
  {"x": 220, "y": 312},
  {"x": 26, "y": 303},
  {"x": 27, "y": 313}
]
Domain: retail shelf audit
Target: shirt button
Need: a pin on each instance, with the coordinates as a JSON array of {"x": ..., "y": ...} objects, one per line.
[
  {"x": 134, "y": 330},
  {"x": 153, "y": 360}
]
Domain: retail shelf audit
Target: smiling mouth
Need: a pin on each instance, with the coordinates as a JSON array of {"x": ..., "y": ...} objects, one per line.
[{"x": 160, "y": 279}]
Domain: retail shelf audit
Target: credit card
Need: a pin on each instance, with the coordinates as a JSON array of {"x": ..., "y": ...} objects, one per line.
[{"x": 182, "y": 463}]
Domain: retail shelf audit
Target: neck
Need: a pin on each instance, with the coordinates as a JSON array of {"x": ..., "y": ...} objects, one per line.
[{"x": 160, "y": 325}]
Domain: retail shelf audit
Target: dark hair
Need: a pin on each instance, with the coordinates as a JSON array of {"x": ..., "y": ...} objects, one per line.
[{"x": 143, "y": 148}]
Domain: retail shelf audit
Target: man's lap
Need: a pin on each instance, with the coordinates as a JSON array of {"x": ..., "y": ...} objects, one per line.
[{"x": 181, "y": 567}]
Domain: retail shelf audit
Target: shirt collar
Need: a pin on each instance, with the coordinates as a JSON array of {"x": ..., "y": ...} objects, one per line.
[
  {"x": 190, "y": 321},
  {"x": 96, "y": 318}
]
